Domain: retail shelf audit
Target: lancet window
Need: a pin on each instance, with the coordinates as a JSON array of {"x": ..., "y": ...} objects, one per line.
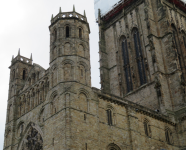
[
  {"x": 109, "y": 116},
  {"x": 67, "y": 31},
  {"x": 168, "y": 135},
  {"x": 139, "y": 57},
  {"x": 24, "y": 74},
  {"x": 126, "y": 65},
  {"x": 147, "y": 128},
  {"x": 80, "y": 33}
]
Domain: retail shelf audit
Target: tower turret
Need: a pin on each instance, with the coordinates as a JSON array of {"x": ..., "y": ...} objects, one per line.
[{"x": 69, "y": 48}]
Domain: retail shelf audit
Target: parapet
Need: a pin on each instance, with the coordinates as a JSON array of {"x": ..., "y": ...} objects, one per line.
[{"x": 69, "y": 15}]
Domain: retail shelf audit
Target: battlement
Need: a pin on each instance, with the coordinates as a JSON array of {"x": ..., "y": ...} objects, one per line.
[
  {"x": 22, "y": 59},
  {"x": 69, "y": 15}
]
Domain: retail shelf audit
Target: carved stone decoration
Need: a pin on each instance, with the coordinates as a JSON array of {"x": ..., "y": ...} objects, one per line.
[{"x": 33, "y": 140}]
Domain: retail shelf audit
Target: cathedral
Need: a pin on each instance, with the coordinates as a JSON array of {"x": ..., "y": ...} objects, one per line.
[{"x": 142, "y": 101}]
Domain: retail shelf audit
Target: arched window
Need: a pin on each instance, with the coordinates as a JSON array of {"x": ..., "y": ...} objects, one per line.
[
  {"x": 168, "y": 135},
  {"x": 67, "y": 31},
  {"x": 80, "y": 33},
  {"x": 126, "y": 65},
  {"x": 147, "y": 128},
  {"x": 139, "y": 57},
  {"x": 24, "y": 74},
  {"x": 109, "y": 116},
  {"x": 113, "y": 146},
  {"x": 55, "y": 35}
]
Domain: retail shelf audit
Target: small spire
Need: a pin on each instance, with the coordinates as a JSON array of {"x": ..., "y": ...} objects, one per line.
[
  {"x": 60, "y": 10},
  {"x": 52, "y": 17},
  {"x": 19, "y": 52},
  {"x": 74, "y": 8},
  {"x": 84, "y": 13},
  {"x": 31, "y": 57},
  {"x": 12, "y": 57}
]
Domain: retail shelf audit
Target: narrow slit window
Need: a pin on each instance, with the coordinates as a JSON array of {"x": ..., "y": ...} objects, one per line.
[
  {"x": 24, "y": 74},
  {"x": 82, "y": 72},
  {"x": 147, "y": 128},
  {"x": 67, "y": 31},
  {"x": 80, "y": 33},
  {"x": 109, "y": 117}
]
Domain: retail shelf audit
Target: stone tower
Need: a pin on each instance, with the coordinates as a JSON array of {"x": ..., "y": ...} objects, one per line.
[
  {"x": 141, "y": 104},
  {"x": 69, "y": 49}
]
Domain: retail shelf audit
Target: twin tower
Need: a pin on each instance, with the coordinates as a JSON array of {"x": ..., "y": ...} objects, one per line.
[
  {"x": 69, "y": 45},
  {"x": 41, "y": 101}
]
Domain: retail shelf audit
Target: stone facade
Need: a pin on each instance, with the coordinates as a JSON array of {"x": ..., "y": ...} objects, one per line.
[{"x": 141, "y": 104}]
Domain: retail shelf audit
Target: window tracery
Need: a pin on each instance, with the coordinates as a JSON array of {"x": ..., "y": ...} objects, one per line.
[
  {"x": 113, "y": 146},
  {"x": 139, "y": 57},
  {"x": 32, "y": 141},
  {"x": 126, "y": 65}
]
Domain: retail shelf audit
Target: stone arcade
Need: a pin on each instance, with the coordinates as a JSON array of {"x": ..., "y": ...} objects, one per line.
[{"x": 142, "y": 102}]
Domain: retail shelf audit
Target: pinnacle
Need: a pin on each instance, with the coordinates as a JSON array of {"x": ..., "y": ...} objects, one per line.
[
  {"x": 74, "y": 8},
  {"x": 19, "y": 52}
]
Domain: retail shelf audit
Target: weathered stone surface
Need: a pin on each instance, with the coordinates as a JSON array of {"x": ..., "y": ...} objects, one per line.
[{"x": 57, "y": 109}]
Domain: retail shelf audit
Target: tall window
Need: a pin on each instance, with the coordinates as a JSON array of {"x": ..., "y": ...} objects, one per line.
[
  {"x": 176, "y": 46},
  {"x": 67, "y": 31},
  {"x": 126, "y": 65},
  {"x": 168, "y": 135},
  {"x": 147, "y": 128},
  {"x": 80, "y": 33},
  {"x": 139, "y": 57},
  {"x": 109, "y": 117},
  {"x": 24, "y": 74}
]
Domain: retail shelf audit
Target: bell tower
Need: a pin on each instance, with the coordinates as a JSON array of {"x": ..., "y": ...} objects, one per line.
[{"x": 69, "y": 48}]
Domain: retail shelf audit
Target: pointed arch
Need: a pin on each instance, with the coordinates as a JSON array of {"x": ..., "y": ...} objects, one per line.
[
  {"x": 53, "y": 95},
  {"x": 32, "y": 138},
  {"x": 113, "y": 146}
]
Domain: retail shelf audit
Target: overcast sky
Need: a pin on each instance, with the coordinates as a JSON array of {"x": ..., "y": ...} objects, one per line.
[{"x": 24, "y": 24}]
